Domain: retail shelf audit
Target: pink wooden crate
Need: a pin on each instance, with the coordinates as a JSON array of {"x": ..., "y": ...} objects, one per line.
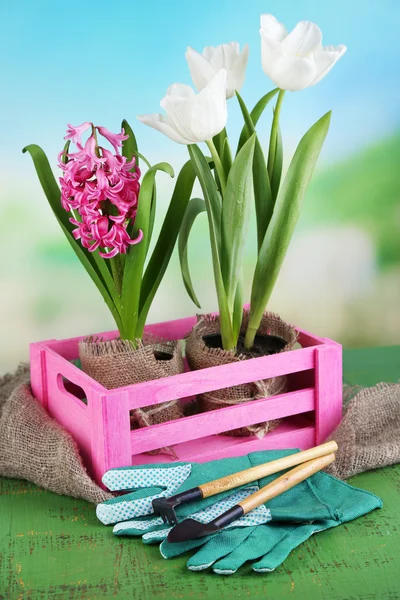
[{"x": 99, "y": 419}]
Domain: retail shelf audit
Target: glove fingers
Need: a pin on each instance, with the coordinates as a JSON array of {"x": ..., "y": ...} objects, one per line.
[
  {"x": 151, "y": 484},
  {"x": 293, "y": 538},
  {"x": 169, "y": 550},
  {"x": 126, "y": 507},
  {"x": 255, "y": 545},
  {"x": 137, "y": 527},
  {"x": 129, "y": 478},
  {"x": 217, "y": 547}
]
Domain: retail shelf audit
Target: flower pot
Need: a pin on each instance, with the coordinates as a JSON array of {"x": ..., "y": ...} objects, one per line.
[
  {"x": 204, "y": 349},
  {"x": 117, "y": 363},
  {"x": 99, "y": 419}
]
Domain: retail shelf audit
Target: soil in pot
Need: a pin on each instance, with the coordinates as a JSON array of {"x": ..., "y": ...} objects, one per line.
[{"x": 264, "y": 345}]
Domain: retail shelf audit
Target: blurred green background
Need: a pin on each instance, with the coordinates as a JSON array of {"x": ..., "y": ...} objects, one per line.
[{"x": 98, "y": 62}]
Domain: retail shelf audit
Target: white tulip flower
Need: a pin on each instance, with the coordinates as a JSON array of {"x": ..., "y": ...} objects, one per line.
[
  {"x": 296, "y": 60},
  {"x": 204, "y": 66},
  {"x": 191, "y": 118}
]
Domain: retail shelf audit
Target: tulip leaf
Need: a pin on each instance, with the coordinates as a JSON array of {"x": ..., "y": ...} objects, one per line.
[
  {"x": 129, "y": 146},
  {"x": 277, "y": 170},
  {"x": 213, "y": 205},
  {"x": 255, "y": 116},
  {"x": 262, "y": 190},
  {"x": 226, "y": 157},
  {"x": 283, "y": 222},
  {"x": 237, "y": 311},
  {"x": 164, "y": 247},
  {"x": 195, "y": 207},
  {"x": 136, "y": 256},
  {"x": 235, "y": 217}
]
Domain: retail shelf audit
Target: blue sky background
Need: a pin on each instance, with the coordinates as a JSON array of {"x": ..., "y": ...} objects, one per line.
[
  {"x": 101, "y": 61},
  {"x": 69, "y": 62}
]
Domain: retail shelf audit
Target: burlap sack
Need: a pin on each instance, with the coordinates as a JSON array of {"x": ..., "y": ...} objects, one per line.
[
  {"x": 118, "y": 363},
  {"x": 34, "y": 447},
  {"x": 369, "y": 434},
  {"x": 200, "y": 356}
]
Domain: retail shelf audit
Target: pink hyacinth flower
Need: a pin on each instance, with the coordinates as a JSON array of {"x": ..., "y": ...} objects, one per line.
[
  {"x": 75, "y": 133},
  {"x": 101, "y": 190},
  {"x": 115, "y": 139}
]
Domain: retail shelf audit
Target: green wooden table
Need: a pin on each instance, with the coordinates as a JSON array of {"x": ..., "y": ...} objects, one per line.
[{"x": 53, "y": 547}]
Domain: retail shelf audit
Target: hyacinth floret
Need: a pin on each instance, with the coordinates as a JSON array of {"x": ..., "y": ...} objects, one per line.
[{"x": 100, "y": 188}]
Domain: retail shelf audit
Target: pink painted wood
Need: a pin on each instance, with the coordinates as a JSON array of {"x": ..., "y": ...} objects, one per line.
[{"x": 99, "y": 418}]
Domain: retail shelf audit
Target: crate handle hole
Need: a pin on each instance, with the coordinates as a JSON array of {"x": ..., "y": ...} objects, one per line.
[{"x": 72, "y": 389}]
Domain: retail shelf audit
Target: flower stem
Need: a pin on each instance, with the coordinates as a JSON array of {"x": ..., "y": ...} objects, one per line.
[
  {"x": 218, "y": 165},
  {"x": 249, "y": 337},
  {"x": 117, "y": 272},
  {"x": 274, "y": 134}
]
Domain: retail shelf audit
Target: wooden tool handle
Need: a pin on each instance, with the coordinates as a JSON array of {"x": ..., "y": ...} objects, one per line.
[
  {"x": 285, "y": 482},
  {"x": 242, "y": 477}
]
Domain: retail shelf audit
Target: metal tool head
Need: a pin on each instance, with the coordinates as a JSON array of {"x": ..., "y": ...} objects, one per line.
[
  {"x": 165, "y": 508},
  {"x": 190, "y": 529}
]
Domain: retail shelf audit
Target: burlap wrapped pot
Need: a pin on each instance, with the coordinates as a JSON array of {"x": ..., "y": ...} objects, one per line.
[
  {"x": 118, "y": 363},
  {"x": 200, "y": 356}
]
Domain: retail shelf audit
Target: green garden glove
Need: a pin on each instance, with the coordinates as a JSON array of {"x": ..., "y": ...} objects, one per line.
[
  {"x": 267, "y": 545},
  {"x": 145, "y": 483},
  {"x": 133, "y": 511}
]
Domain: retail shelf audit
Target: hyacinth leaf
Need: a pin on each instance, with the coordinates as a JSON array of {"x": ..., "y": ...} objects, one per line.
[
  {"x": 277, "y": 170},
  {"x": 255, "y": 116},
  {"x": 94, "y": 264},
  {"x": 235, "y": 218},
  {"x": 283, "y": 222},
  {"x": 164, "y": 247},
  {"x": 64, "y": 156},
  {"x": 195, "y": 207},
  {"x": 136, "y": 256},
  {"x": 153, "y": 208},
  {"x": 129, "y": 146},
  {"x": 263, "y": 199},
  {"x": 213, "y": 205},
  {"x": 143, "y": 158},
  {"x": 48, "y": 183},
  {"x": 81, "y": 254}
]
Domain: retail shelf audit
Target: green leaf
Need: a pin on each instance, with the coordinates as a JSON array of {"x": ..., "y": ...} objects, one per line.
[
  {"x": 284, "y": 219},
  {"x": 92, "y": 262},
  {"x": 213, "y": 205},
  {"x": 262, "y": 190},
  {"x": 164, "y": 247},
  {"x": 277, "y": 171},
  {"x": 152, "y": 215},
  {"x": 194, "y": 208},
  {"x": 237, "y": 311},
  {"x": 48, "y": 182},
  {"x": 255, "y": 116},
  {"x": 235, "y": 218},
  {"x": 64, "y": 157},
  {"x": 136, "y": 256},
  {"x": 226, "y": 156},
  {"x": 143, "y": 158},
  {"x": 81, "y": 254},
  {"x": 129, "y": 146}
]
